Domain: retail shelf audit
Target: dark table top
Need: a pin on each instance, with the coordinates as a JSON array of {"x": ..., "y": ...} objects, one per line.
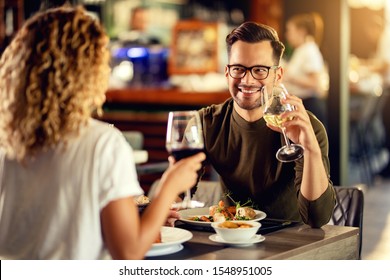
[{"x": 282, "y": 241}]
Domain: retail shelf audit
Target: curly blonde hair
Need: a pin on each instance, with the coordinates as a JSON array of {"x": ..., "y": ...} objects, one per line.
[{"x": 53, "y": 76}]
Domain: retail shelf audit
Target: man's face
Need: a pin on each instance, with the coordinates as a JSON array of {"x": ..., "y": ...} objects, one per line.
[{"x": 246, "y": 91}]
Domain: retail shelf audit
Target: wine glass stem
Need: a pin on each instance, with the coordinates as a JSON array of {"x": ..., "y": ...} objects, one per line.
[
  {"x": 187, "y": 199},
  {"x": 285, "y": 137}
]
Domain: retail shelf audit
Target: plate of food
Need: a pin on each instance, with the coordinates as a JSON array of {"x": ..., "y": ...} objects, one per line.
[
  {"x": 207, "y": 215},
  {"x": 169, "y": 242}
]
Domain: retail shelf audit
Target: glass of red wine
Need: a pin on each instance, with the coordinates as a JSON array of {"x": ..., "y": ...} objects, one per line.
[{"x": 184, "y": 139}]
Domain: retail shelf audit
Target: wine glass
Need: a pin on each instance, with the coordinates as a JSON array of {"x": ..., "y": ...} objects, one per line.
[
  {"x": 272, "y": 109},
  {"x": 184, "y": 139}
]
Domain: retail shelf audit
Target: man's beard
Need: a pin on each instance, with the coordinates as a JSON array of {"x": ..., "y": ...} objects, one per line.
[{"x": 246, "y": 104}]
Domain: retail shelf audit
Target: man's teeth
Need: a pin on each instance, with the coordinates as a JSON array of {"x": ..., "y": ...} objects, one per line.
[{"x": 248, "y": 91}]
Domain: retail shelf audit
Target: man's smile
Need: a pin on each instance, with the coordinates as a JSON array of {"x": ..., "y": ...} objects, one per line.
[{"x": 248, "y": 90}]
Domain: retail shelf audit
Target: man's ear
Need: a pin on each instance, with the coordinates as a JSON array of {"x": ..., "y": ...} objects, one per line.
[
  {"x": 279, "y": 74},
  {"x": 226, "y": 71}
]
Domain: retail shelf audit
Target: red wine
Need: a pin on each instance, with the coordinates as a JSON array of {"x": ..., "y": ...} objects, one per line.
[{"x": 185, "y": 152}]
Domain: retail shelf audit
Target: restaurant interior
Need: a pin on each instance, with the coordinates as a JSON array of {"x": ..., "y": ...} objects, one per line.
[{"x": 170, "y": 55}]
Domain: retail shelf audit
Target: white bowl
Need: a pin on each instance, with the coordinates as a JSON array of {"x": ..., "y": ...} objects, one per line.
[{"x": 236, "y": 234}]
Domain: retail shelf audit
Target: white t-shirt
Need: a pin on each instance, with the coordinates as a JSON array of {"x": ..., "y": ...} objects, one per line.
[
  {"x": 305, "y": 59},
  {"x": 51, "y": 208}
]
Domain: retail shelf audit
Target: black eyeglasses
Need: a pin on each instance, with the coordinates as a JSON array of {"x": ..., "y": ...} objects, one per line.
[{"x": 258, "y": 72}]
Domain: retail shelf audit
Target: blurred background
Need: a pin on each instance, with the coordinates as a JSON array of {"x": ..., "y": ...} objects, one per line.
[{"x": 170, "y": 54}]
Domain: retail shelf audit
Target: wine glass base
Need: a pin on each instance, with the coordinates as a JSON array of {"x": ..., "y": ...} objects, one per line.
[
  {"x": 187, "y": 205},
  {"x": 291, "y": 153}
]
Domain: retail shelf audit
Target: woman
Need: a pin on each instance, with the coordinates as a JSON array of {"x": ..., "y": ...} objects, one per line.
[
  {"x": 67, "y": 181},
  {"x": 304, "y": 70}
]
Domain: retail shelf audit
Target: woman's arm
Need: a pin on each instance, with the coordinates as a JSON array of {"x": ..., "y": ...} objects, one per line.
[{"x": 128, "y": 236}]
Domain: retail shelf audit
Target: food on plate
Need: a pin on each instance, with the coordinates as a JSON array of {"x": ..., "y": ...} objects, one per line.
[
  {"x": 142, "y": 199},
  {"x": 220, "y": 213},
  {"x": 219, "y": 217},
  {"x": 230, "y": 224},
  {"x": 203, "y": 218},
  {"x": 158, "y": 238},
  {"x": 246, "y": 212},
  {"x": 230, "y": 210}
]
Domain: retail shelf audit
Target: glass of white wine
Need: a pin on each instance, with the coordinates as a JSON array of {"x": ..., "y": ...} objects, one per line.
[{"x": 272, "y": 109}]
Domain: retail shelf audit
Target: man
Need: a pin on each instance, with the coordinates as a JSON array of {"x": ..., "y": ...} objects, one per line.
[{"x": 241, "y": 147}]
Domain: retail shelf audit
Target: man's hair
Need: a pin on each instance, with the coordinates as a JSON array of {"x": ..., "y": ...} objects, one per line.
[{"x": 252, "y": 32}]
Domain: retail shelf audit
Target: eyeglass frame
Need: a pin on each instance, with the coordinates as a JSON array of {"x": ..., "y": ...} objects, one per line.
[{"x": 273, "y": 67}]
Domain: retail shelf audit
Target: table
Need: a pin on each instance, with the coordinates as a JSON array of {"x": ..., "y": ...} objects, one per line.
[{"x": 299, "y": 242}]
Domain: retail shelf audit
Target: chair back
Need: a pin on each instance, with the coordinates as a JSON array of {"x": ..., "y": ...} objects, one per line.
[
  {"x": 134, "y": 138},
  {"x": 348, "y": 210}
]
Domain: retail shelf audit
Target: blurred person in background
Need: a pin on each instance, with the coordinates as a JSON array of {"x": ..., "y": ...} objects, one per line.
[
  {"x": 304, "y": 70},
  {"x": 139, "y": 23},
  {"x": 68, "y": 181}
]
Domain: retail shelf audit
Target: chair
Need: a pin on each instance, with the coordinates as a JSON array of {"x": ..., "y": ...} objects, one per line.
[
  {"x": 134, "y": 138},
  {"x": 348, "y": 210},
  {"x": 136, "y": 141}
]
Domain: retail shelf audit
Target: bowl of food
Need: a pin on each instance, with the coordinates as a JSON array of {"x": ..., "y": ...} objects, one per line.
[{"x": 236, "y": 231}]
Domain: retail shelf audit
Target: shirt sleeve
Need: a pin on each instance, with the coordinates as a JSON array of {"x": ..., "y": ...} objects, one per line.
[
  {"x": 117, "y": 172},
  {"x": 318, "y": 212}
]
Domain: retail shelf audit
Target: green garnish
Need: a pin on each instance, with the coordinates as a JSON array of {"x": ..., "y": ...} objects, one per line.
[
  {"x": 238, "y": 204},
  {"x": 242, "y": 218}
]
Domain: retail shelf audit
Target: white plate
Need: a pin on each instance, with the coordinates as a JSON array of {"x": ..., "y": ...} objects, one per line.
[
  {"x": 255, "y": 239},
  {"x": 165, "y": 250},
  {"x": 171, "y": 240},
  {"x": 188, "y": 213}
]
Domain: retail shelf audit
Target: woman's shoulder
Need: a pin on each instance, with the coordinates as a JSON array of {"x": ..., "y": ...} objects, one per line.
[
  {"x": 312, "y": 49},
  {"x": 97, "y": 131}
]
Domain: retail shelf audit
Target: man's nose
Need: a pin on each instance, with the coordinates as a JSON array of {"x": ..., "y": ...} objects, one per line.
[{"x": 248, "y": 76}]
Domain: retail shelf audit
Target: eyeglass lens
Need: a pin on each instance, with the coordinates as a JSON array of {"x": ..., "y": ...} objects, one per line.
[{"x": 257, "y": 72}]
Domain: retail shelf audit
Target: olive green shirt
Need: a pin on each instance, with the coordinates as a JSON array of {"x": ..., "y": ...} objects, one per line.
[{"x": 243, "y": 154}]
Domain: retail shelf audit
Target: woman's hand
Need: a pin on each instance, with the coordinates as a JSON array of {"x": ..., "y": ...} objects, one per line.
[
  {"x": 173, "y": 216},
  {"x": 183, "y": 174}
]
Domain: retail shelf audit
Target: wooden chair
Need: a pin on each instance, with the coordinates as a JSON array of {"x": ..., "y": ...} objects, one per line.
[{"x": 348, "y": 210}]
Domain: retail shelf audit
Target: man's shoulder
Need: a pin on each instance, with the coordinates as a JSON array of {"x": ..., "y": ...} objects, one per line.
[
  {"x": 217, "y": 110},
  {"x": 315, "y": 122},
  {"x": 318, "y": 127}
]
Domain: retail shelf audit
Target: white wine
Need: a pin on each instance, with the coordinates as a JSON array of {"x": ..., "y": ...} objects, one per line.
[
  {"x": 275, "y": 120},
  {"x": 273, "y": 109}
]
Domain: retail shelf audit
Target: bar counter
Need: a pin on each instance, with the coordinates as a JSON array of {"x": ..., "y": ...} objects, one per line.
[{"x": 164, "y": 96}]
